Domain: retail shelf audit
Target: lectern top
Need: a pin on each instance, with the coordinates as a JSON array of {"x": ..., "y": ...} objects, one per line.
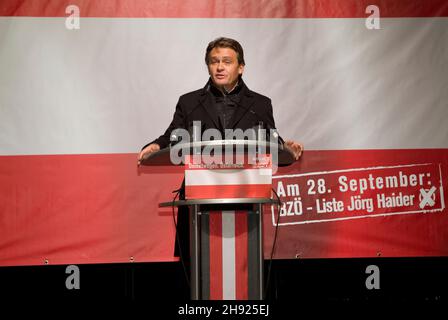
[
  {"x": 165, "y": 156},
  {"x": 218, "y": 201}
]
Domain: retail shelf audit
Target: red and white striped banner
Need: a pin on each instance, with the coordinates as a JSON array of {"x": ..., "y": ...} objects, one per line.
[{"x": 85, "y": 84}]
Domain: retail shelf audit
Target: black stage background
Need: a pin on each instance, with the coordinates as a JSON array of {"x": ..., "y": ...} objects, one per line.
[{"x": 314, "y": 280}]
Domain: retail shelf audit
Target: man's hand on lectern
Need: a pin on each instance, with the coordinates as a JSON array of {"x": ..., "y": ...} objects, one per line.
[
  {"x": 295, "y": 147},
  {"x": 153, "y": 147}
]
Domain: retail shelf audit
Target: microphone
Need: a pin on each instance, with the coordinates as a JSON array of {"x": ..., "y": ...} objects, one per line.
[
  {"x": 191, "y": 131},
  {"x": 174, "y": 139},
  {"x": 259, "y": 132},
  {"x": 268, "y": 128}
]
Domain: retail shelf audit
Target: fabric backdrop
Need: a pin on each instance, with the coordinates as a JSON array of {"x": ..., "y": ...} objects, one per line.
[{"x": 76, "y": 105}]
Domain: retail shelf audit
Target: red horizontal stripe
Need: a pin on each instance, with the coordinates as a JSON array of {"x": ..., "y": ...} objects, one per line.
[
  {"x": 70, "y": 209},
  {"x": 225, "y": 9},
  {"x": 74, "y": 209},
  {"x": 228, "y": 191}
]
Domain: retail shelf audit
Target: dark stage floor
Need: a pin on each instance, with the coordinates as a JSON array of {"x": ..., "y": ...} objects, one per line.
[{"x": 331, "y": 280}]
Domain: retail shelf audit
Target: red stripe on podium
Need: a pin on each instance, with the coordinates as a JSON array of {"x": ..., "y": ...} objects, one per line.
[
  {"x": 215, "y": 220},
  {"x": 241, "y": 248},
  {"x": 228, "y": 191}
]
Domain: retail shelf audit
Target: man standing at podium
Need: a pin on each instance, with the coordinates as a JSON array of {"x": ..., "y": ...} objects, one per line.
[{"x": 224, "y": 103}]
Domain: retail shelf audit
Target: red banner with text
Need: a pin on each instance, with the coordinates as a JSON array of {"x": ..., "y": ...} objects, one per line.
[{"x": 377, "y": 203}]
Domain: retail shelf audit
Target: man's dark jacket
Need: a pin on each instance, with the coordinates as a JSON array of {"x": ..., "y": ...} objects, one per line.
[{"x": 198, "y": 106}]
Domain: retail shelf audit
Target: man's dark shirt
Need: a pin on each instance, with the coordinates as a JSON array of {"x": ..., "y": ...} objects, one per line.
[{"x": 225, "y": 103}]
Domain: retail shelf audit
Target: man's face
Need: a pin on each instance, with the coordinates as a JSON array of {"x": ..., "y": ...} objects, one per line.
[{"x": 223, "y": 67}]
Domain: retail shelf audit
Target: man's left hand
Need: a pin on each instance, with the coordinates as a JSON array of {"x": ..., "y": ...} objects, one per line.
[{"x": 295, "y": 147}]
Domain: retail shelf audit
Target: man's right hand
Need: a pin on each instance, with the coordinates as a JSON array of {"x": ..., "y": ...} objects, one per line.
[{"x": 153, "y": 147}]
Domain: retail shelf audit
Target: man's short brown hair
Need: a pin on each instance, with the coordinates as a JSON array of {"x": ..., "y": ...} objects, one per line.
[{"x": 225, "y": 43}]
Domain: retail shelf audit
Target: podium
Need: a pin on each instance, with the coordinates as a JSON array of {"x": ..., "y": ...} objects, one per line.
[{"x": 225, "y": 215}]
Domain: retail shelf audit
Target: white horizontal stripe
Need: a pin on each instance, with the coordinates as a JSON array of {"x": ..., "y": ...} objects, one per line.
[
  {"x": 228, "y": 256},
  {"x": 113, "y": 85},
  {"x": 227, "y": 177}
]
